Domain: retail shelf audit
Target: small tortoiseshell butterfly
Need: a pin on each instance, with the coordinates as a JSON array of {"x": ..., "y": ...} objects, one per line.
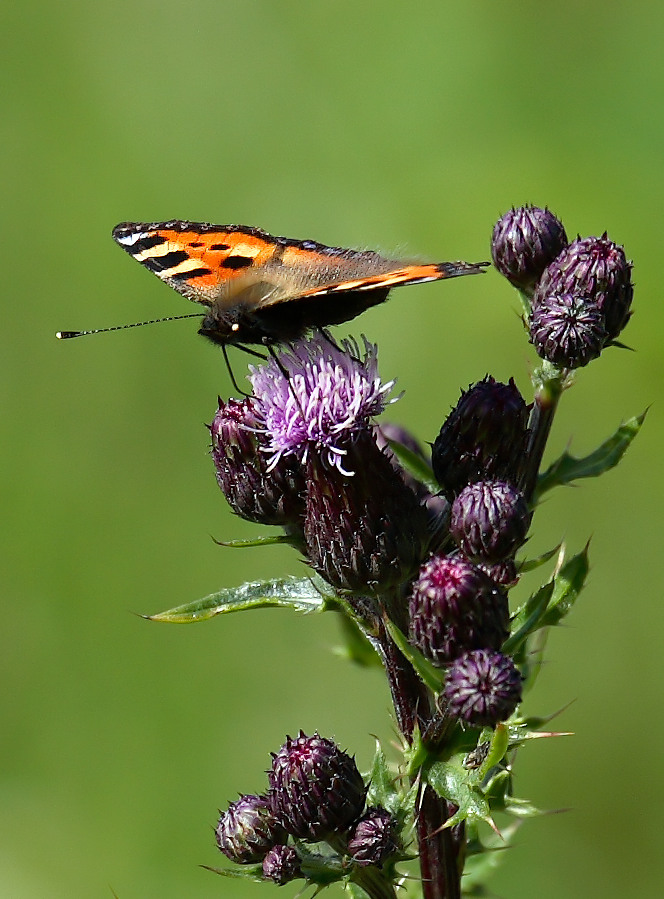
[{"x": 260, "y": 289}]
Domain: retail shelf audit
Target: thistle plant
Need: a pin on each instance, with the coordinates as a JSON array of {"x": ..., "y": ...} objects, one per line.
[{"x": 425, "y": 555}]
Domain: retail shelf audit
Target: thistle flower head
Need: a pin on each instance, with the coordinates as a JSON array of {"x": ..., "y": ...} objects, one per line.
[
  {"x": 282, "y": 864},
  {"x": 566, "y": 329},
  {"x": 489, "y": 521},
  {"x": 369, "y": 532},
  {"x": 524, "y": 242},
  {"x": 455, "y": 607},
  {"x": 591, "y": 280},
  {"x": 374, "y": 838},
  {"x": 315, "y": 788},
  {"x": 248, "y": 829},
  {"x": 317, "y": 395},
  {"x": 483, "y": 437},
  {"x": 483, "y": 687},
  {"x": 274, "y": 497}
]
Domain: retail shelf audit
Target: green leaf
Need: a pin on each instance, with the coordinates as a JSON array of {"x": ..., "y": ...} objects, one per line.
[
  {"x": 301, "y": 594},
  {"x": 532, "y": 564},
  {"x": 382, "y": 784},
  {"x": 451, "y": 780},
  {"x": 568, "y": 583},
  {"x": 568, "y": 468},
  {"x": 431, "y": 677},
  {"x": 419, "y": 467},
  {"x": 268, "y": 540},
  {"x": 549, "y": 605},
  {"x": 240, "y": 872},
  {"x": 357, "y": 647},
  {"x": 528, "y": 617}
]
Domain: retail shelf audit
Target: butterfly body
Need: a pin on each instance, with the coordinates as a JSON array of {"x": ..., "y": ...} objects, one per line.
[{"x": 260, "y": 289}]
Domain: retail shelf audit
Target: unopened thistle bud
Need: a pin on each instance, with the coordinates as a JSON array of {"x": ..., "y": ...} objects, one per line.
[
  {"x": 482, "y": 688},
  {"x": 582, "y": 301},
  {"x": 254, "y": 491},
  {"x": 524, "y": 242},
  {"x": 282, "y": 864},
  {"x": 567, "y": 330},
  {"x": 456, "y": 607},
  {"x": 316, "y": 789},
  {"x": 248, "y": 829},
  {"x": 483, "y": 438},
  {"x": 489, "y": 521},
  {"x": 374, "y": 838}
]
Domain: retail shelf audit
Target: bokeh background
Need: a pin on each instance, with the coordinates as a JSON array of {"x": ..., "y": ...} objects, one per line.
[{"x": 402, "y": 127}]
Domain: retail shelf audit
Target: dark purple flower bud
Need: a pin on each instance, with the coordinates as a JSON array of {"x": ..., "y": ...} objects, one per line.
[
  {"x": 367, "y": 532},
  {"x": 482, "y": 688},
  {"x": 489, "y": 521},
  {"x": 524, "y": 242},
  {"x": 502, "y": 573},
  {"x": 594, "y": 268},
  {"x": 315, "y": 788},
  {"x": 455, "y": 607},
  {"x": 374, "y": 838},
  {"x": 282, "y": 864},
  {"x": 483, "y": 438},
  {"x": 254, "y": 490},
  {"x": 567, "y": 330},
  {"x": 248, "y": 829}
]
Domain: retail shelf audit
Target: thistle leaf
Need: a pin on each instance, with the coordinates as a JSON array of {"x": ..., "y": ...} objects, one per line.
[
  {"x": 568, "y": 468},
  {"x": 301, "y": 594}
]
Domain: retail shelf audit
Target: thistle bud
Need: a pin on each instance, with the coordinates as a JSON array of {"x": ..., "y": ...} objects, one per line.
[
  {"x": 590, "y": 285},
  {"x": 483, "y": 688},
  {"x": 455, "y": 607},
  {"x": 254, "y": 491},
  {"x": 489, "y": 521},
  {"x": 316, "y": 789},
  {"x": 567, "y": 330},
  {"x": 367, "y": 532},
  {"x": 524, "y": 242},
  {"x": 374, "y": 838},
  {"x": 483, "y": 438},
  {"x": 282, "y": 864},
  {"x": 248, "y": 829}
]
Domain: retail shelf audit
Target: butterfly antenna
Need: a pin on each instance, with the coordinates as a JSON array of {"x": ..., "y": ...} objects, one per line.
[{"x": 66, "y": 335}]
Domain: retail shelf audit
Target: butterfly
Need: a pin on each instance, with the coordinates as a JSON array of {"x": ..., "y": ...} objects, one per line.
[{"x": 260, "y": 289}]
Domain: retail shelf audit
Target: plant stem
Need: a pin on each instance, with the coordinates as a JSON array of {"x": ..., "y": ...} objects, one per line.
[
  {"x": 549, "y": 383},
  {"x": 438, "y": 853}
]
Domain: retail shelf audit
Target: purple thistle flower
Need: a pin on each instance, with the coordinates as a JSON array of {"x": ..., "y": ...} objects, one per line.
[
  {"x": 483, "y": 687},
  {"x": 329, "y": 395}
]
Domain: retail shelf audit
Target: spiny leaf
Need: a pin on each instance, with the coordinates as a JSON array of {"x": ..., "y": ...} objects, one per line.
[
  {"x": 568, "y": 468},
  {"x": 568, "y": 583},
  {"x": 268, "y": 540},
  {"x": 452, "y": 781},
  {"x": 301, "y": 594},
  {"x": 244, "y": 872}
]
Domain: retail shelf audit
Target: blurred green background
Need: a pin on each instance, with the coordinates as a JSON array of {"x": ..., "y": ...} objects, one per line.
[{"x": 402, "y": 127}]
